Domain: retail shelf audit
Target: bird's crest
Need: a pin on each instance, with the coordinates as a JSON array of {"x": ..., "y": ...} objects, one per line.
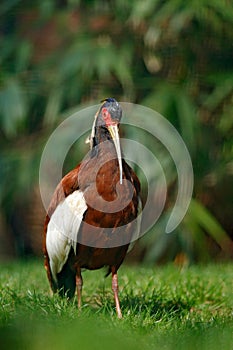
[{"x": 108, "y": 99}]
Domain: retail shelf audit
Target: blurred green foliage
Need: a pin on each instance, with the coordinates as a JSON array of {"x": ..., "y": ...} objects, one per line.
[{"x": 172, "y": 56}]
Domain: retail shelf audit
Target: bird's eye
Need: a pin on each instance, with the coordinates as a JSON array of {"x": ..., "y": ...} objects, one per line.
[
  {"x": 106, "y": 117},
  {"x": 105, "y": 113}
]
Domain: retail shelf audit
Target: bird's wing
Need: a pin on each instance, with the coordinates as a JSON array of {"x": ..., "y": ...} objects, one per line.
[
  {"x": 136, "y": 183},
  {"x": 65, "y": 214}
]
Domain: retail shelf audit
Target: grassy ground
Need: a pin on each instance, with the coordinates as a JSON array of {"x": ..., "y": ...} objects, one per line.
[{"x": 163, "y": 308}]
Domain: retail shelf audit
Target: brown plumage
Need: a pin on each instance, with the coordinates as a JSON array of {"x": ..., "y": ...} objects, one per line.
[{"x": 97, "y": 191}]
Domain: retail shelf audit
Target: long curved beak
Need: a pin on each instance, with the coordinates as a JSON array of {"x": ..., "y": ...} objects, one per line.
[{"x": 113, "y": 129}]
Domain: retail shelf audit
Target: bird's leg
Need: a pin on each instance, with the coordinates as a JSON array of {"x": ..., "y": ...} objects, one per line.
[
  {"x": 79, "y": 284},
  {"x": 115, "y": 291}
]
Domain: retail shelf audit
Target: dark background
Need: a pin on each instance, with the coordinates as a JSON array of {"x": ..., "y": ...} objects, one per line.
[{"x": 173, "y": 56}]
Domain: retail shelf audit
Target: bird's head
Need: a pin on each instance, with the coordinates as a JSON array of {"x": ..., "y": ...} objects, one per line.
[
  {"x": 110, "y": 112},
  {"x": 108, "y": 118}
]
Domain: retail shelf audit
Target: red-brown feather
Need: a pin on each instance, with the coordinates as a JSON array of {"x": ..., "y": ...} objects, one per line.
[{"x": 84, "y": 178}]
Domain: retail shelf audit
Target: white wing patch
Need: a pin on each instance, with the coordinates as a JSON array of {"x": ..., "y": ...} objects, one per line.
[{"x": 62, "y": 231}]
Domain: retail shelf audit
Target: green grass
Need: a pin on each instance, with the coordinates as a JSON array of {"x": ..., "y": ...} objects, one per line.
[{"x": 163, "y": 308}]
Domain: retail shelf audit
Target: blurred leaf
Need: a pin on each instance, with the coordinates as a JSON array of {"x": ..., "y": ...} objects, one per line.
[
  {"x": 13, "y": 106},
  {"x": 7, "y": 5},
  {"x": 142, "y": 9},
  {"x": 210, "y": 224},
  {"x": 174, "y": 104},
  {"x": 221, "y": 91},
  {"x": 47, "y": 8},
  {"x": 225, "y": 124},
  {"x": 53, "y": 106},
  {"x": 23, "y": 56},
  {"x": 187, "y": 120}
]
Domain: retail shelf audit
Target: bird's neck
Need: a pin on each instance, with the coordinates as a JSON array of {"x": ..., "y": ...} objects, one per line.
[
  {"x": 101, "y": 135},
  {"x": 100, "y": 144}
]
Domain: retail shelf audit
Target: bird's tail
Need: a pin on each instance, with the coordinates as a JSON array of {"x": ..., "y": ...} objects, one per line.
[
  {"x": 108, "y": 272},
  {"x": 66, "y": 283}
]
